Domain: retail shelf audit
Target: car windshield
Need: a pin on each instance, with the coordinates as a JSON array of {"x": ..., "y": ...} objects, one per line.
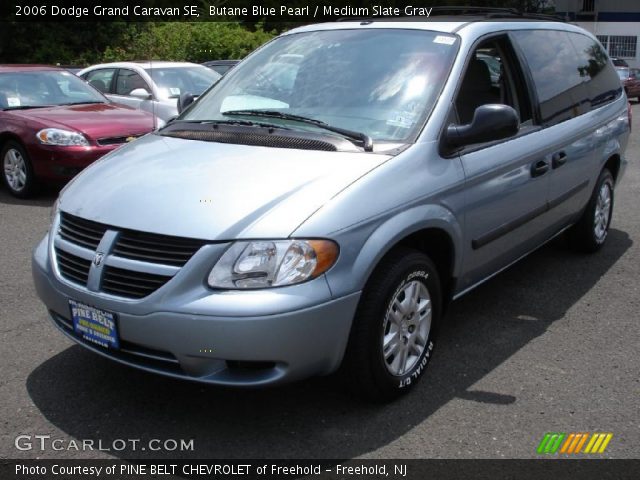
[
  {"x": 174, "y": 81},
  {"x": 381, "y": 82},
  {"x": 623, "y": 73},
  {"x": 19, "y": 90}
]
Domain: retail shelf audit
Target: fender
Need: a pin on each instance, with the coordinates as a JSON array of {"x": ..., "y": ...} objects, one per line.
[{"x": 387, "y": 234}]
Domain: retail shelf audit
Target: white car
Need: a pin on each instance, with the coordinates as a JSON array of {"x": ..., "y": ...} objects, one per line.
[{"x": 151, "y": 86}]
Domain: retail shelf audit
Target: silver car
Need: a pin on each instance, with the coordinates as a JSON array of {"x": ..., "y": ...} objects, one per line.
[
  {"x": 151, "y": 86},
  {"x": 279, "y": 230}
]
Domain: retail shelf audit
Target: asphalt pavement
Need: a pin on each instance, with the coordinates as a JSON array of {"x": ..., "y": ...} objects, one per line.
[{"x": 550, "y": 345}]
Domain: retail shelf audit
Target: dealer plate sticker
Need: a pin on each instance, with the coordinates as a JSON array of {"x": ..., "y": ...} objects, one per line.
[{"x": 94, "y": 325}]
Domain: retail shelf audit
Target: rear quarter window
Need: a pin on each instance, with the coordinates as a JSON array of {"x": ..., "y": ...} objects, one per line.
[{"x": 601, "y": 79}]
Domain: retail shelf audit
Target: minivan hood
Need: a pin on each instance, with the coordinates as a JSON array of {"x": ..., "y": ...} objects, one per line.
[{"x": 211, "y": 191}]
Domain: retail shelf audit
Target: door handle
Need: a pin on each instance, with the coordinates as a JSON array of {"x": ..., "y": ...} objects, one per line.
[
  {"x": 558, "y": 159},
  {"x": 539, "y": 168}
]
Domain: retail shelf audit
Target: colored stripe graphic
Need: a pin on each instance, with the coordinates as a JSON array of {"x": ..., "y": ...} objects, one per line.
[
  {"x": 550, "y": 443},
  {"x": 598, "y": 443},
  {"x": 572, "y": 443},
  {"x": 581, "y": 443}
]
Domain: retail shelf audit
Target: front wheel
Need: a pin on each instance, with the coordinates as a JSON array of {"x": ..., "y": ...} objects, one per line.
[
  {"x": 18, "y": 172},
  {"x": 395, "y": 326},
  {"x": 590, "y": 233}
]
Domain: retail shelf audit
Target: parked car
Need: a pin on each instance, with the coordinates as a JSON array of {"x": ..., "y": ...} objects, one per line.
[
  {"x": 269, "y": 234},
  {"x": 493, "y": 62},
  {"x": 221, "y": 66},
  {"x": 630, "y": 78},
  {"x": 619, "y": 62},
  {"x": 151, "y": 86},
  {"x": 52, "y": 125}
]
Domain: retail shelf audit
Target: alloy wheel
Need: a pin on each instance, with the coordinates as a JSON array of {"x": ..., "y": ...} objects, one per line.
[
  {"x": 15, "y": 170},
  {"x": 602, "y": 213},
  {"x": 406, "y": 328}
]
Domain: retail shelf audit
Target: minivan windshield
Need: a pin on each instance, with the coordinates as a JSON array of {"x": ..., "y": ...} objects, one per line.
[
  {"x": 380, "y": 82},
  {"x": 623, "y": 73}
]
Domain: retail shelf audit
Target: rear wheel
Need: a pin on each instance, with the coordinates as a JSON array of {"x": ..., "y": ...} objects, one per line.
[
  {"x": 17, "y": 170},
  {"x": 395, "y": 326},
  {"x": 590, "y": 233}
]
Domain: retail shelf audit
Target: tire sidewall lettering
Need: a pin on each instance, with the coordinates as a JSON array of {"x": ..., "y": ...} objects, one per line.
[{"x": 419, "y": 369}]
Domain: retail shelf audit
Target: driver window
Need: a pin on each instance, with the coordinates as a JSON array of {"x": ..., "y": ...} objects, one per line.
[
  {"x": 492, "y": 76},
  {"x": 128, "y": 81}
]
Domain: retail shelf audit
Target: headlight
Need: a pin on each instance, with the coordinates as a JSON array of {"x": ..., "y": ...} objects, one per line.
[
  {"x": 272, "y": 263},
  {"x": 63, "y": 138}
]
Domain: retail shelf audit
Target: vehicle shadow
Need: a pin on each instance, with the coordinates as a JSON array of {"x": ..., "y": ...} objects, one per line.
[
  {"x": 89, "y": 397},
  {"x": 44, "y": 198}
]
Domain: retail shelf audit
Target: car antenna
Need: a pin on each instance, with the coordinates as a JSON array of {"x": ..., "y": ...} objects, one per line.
[{"x": 153, "y": 104}]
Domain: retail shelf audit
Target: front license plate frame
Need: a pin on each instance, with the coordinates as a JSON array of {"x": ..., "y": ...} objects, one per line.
[{"x": 95, "y": 325}]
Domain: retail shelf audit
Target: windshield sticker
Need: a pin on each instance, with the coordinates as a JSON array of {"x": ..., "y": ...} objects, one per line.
[
  {"x": 402, "y": 120},
  {"x": 13, "y": 101},
  {"x": 174, "y": 91},
  {"x": 444, "y": 40}
]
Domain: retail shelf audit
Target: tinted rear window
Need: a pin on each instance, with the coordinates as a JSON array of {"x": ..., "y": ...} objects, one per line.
[
  {"x": 595, "y": 69},
  {"x": 570, "y": 71}
]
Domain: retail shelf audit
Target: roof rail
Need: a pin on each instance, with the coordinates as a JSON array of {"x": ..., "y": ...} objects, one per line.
[
  {"x": 494, "y": 12},
  {"x": 480, "y": 13}
]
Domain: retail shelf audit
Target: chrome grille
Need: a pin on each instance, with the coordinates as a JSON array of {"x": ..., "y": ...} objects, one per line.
[
  {"x": 156, "y": 258},
  {"x": 73, "y": 268},
  {"x": 149, "y": 247},
  {"x": 80, "y": 231},
  {"x": 131, "y": 284}
]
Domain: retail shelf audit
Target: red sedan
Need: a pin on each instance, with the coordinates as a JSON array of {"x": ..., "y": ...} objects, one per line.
[
  {"x": 53, "y": 124},
  {"x": 630, "y": 78}
]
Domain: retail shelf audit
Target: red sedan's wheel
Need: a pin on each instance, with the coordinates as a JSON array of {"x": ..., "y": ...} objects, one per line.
[{"x": 17, "y": 171}]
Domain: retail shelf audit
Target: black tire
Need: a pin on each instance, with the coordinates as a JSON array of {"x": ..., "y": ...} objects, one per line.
[
  {"x": 583, "y": 236},
  {"x": 365, "y": 369},
  {"x": 29, "y": 186}
]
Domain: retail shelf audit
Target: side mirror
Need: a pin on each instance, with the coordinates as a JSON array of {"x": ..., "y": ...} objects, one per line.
[
  {"x": 184, "y": 100},
  {"x": 140, "y": 93},
  {"x": 490, "y": 122}
]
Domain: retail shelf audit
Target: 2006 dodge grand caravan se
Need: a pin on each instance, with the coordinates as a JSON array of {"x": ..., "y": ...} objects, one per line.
[{"x": 318, "y": 207}]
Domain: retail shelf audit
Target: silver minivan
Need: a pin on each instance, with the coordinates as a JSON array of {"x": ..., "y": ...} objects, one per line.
[{"x": 282, "y": 229}]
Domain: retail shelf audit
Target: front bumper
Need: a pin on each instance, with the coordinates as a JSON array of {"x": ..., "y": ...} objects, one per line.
[
  {"x": 62, "y": 163},
  {"x": 279, "y": 335}
]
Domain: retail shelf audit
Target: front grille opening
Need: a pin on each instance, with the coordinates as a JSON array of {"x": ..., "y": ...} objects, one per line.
[
  {"x": 116, "y": 140},
  {"x": 131, "y": 284},
  {"x": 154, "y": 248},
  {"x": 151, "y": 248},
  {"x": 79, "y": 231},
  {"x": 73, "y": 268},
  {"x": 240, "y": 365}
]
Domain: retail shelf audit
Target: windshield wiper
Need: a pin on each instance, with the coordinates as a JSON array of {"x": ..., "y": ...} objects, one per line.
[{"x": 365, "y": 139}]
